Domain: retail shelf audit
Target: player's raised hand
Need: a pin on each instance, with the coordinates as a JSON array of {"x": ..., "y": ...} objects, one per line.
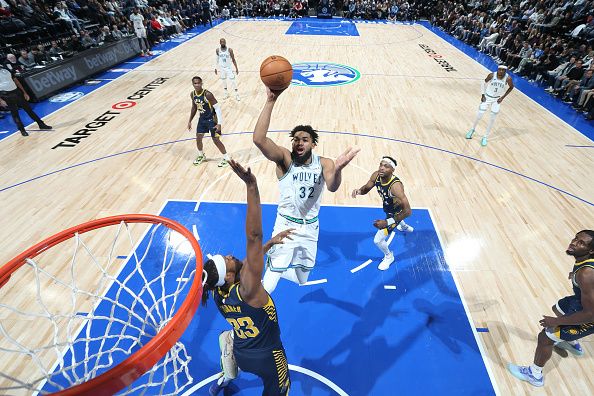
[
  {"x": 246, "y": 175},
  {"x": 380, "y": 224},
  {"x": 272, "y": 95},
  {"x": 346, "y": 157},
  {"x": 279, "y": 238}
]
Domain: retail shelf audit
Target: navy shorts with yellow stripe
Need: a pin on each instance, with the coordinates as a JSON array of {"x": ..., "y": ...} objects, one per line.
[
  {"x": 208, "y": 126},
  {"x": 270, "y": 365},
  {"x": 568, "y": 306}
]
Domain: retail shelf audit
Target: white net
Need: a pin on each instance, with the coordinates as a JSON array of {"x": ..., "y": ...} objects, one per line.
[{"x": 85, "y": 305}]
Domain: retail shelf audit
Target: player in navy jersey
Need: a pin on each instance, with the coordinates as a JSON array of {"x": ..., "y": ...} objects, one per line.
[
  {"x": 395, "y": 205},
  {"x": 210, "y": 119},
  {"x": 574, "y": 314},
  {"x": 242, "y": 300}
]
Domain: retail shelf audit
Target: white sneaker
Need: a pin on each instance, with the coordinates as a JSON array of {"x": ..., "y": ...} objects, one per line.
[
  {"x": 403, "y": 227},
  {"x": 237, "y": 97},
  {"x": 386, "y": 262},
  {"x": 226, "y": 95}
]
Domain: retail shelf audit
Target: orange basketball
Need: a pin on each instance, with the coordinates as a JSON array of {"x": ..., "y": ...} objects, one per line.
[{"x": 276, "y": 72}]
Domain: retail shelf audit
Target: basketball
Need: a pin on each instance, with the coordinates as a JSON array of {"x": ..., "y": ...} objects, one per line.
[{"x": 276, "y": 72}]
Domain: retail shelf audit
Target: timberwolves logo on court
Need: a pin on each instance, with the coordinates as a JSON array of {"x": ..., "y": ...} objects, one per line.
[
  {"x": 322, "y": 74},
  {"x": 66, "y": 97}
]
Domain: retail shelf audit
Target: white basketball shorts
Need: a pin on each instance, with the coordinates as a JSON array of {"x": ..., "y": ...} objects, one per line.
[{"x": 299, "y": 253}]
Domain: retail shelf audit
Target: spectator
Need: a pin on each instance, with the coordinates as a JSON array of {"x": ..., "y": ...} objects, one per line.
[
  {"x": 116, "y": 33},
  {"x": 55, "y": 51},
  {"x": 86, "y": 40},
  {"x": 27, "y": 60},
  {"x": 64, "y": 15}
]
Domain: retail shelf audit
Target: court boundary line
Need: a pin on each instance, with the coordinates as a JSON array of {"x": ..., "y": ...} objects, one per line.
[
  {"x": 442, "y": 150},
  {"x": 471, "y": 321}
]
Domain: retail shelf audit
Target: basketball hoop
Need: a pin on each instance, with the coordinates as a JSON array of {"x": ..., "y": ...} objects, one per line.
[{"x": 137, "y": 308}]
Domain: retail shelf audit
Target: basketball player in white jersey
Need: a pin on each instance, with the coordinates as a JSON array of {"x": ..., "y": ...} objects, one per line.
[
  {"x": 225, "y": 57},
  {"x": 302, "y": 175},
  {"x": 492, "y": 95},
  {"x": 138, "y": 22}
]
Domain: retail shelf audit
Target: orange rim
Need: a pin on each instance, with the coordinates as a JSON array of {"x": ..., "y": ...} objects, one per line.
[{"x": 146, "y": 357}]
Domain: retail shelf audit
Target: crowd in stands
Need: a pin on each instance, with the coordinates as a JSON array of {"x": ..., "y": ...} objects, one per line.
[
  {"x": 549, "y": 42},
  {"x": 39, "y": 32}
]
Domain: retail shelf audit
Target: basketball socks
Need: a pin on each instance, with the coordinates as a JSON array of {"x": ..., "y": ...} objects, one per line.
[
  {"x": 536, "y": 371},
  {"x": 380, "y": 242},
  {"x": 226, "y": 157},
  {"x": 491, "y": 122},
  {"x": 200, "y": 153},
  {"x": 479, "y": 115}
]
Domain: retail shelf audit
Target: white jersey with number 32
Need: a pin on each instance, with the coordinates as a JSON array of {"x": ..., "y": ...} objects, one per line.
[{"x": 301, "y": 190}]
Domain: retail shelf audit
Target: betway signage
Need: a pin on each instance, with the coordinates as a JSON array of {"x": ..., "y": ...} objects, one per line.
[{"x": 46, "y": 82}]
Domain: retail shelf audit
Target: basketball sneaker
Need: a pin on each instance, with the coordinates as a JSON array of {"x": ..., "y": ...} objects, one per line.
[
  {"x": 237, "y": 97},
  {"x": 574, "y": 348},
  {"x": 525, "y": 374},
  {"x": 215, "y": 388},
  {"x": 386, "y": 262},
  {"x": 226, "y": 94},
  {"x": 469, "y": 134},
  {"x": 200, "y": 159},
  {"x": 484, "y": 141},
  {"x": 403, "y": 227},
  {"x": 228, "y": 363},
  {"x": 223, "y": 163}
]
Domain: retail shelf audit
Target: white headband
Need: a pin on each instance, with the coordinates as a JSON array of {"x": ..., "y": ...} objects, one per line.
[
  {"x": 389, "y": 162},
  {"x": 221, "y": 268},
  {"x": 502, "y": 67}
]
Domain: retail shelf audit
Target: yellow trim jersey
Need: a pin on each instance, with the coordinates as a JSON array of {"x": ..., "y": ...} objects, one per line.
[
  {"x": 576, "y": 268},
  {"x": 255, "y": 328},
  {"x": 205, "y": 109},
  {"x": 391, "y": 206}
]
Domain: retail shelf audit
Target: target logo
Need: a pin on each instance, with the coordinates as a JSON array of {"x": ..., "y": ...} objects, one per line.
[{"x": 126, "y": 104}]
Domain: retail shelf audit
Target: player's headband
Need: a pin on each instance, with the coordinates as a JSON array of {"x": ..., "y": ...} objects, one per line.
[
  {"x": 502, "y": 67},
  {"x": 221, "y": 268},
  {"x": 389, "y": 162}
]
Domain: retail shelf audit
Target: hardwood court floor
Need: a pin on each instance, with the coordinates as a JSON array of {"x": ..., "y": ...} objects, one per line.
[{"x": 506, "y": 213}]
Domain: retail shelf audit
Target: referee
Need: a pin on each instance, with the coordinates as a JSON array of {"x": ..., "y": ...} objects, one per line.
[{"x": 13, "y": 96}]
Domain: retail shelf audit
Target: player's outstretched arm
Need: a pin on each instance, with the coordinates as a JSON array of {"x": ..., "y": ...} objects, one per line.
[
  {"x": 271, "y": 150},
  {"x": 510, "y": 88},
  {"x": 278, "y": 239},
  {"x": 333, "y": 170},
  {"x": 400, "y": 198},
  {"x": 366, "y": 187},
  {"x": 251, "y": 287},
  {"x": 233, "y": 60},
  {"x": 584, "y": 278}
]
